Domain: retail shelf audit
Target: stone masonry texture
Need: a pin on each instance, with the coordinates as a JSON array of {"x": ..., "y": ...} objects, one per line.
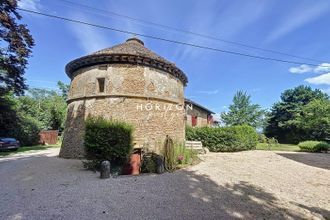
[{"x": 150, "y": 99}]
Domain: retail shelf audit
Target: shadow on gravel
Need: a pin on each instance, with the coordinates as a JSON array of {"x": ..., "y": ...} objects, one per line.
[
  {"x": 236, "y": 201},
  {"x": 321, "y": 160},
  {"x": 76, "y": 194}
]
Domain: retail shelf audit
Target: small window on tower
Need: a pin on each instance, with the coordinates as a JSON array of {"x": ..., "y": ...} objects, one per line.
[{"x": 101, "y": 84}]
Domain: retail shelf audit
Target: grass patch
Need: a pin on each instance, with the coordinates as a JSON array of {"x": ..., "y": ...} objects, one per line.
[
  {"x": 28, "y": 149},
  {"x": 278, "y": 147}
]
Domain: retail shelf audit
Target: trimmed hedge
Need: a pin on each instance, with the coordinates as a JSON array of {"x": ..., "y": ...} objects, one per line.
[
  {"x": 314, "y": 146},
  {"x": 224, "y": 139},
  {"x": 108, "y": 140}
]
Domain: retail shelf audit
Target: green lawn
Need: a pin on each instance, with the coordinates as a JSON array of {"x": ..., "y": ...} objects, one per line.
[
  {"x": 28, "y": 149},
  {"x": 279, "y": 147}
]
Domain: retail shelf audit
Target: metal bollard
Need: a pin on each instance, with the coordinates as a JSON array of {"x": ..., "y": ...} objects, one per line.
[
  {"x": 160, "y": 164},
  {"x": 105, "y": 170}
]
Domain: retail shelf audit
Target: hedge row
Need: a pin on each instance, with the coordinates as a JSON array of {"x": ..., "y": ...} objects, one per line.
[
  {"x": 314, "y": 146},
  {"x": 108, "y": 140},
  {"x": 224, "y": 139}
]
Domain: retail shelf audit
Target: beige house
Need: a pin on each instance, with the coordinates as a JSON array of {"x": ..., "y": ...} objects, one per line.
[
  {"x": 127, "y": 82},
  {"x": 197, "y": 115}
]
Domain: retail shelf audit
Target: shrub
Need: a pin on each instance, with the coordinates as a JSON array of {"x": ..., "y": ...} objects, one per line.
[
  {"x": 314, "y": 146},
  {"x": 262, "y": 138},
  {"x": 29, "y": 131},
  {"x": 149, "y": 163},
  {"x": 176, "y": 154},
  {"x": 108, "y": 140},
  {"x": 224, "y": 139},
  {"x": 272, "y": 142},
  {"x": 169, "y": 154},
  {"x": 26, "y": 131},
  {"x": 184, "y": 155}
]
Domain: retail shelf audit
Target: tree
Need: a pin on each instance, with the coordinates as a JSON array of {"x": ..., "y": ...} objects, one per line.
[
  {"x": 25, "y": 116},
  {"x": 64, "y": 89},
  {"x": 282, "y": 121},
  {"x": 242, "y": 111},
  {"x": 16, "y": 44},
  {"x": 46, "y": 106},
  {"x": 315, "y": 119},
  {"x": 16, "y": 123}
]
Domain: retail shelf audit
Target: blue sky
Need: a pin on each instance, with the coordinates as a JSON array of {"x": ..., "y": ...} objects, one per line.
[{"x": 295, "y": 27}]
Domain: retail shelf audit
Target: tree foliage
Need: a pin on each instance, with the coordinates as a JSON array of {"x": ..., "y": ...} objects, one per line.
[
  {"x": 24, "y": 117},
  {"x": 46, "y": 106},
  {"x": 15, "y": 49},
  {"x": 242, "y": 111},
  {"x": 315, "y": 119},
  {"x": 17, "y": 124},
  {"x": 64, "y": 89},
  {"x": 285, "y": 119}
]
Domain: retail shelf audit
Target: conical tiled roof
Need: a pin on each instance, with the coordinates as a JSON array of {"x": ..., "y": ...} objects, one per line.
[{"x": 132, "y": 51}]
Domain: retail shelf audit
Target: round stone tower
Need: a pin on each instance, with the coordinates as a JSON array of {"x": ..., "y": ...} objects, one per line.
[{"x": 130, "y": 83}]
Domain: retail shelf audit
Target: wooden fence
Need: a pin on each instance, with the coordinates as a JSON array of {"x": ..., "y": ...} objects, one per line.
[{"x": 48, "y": 137}]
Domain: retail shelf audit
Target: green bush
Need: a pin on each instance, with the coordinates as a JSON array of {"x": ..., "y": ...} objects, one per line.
[
  {"x": 224, "y": 139},
  {"x": 176, "y": 155},
  {"x": 108, "y": 140},
  {"x": 149, "y": 163},
  {"x": 272, "y": 142},
  {"x": 26, "y": 130},
  {"x": 262, "y": 138},
  {"x": 28, "y": 133},
  {"x": 184, "y": 155},
  {"x": 314, "y": 146},
  {"x": 169, "y": 154}
]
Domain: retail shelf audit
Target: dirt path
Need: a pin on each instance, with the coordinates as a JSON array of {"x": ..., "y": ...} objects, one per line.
[{"x": 244, "y": 185}]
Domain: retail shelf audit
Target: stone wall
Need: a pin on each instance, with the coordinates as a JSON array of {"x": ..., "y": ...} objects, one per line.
[
  {"x": 149, "y": 99},
  {"x": 126, "y": 80}
]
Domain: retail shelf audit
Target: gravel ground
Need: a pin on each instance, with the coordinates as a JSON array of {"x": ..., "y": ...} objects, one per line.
[{"x": 244, "y": 185}]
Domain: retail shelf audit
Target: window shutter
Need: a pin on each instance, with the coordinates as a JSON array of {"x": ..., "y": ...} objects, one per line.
[{"x": 193, "y": 121}]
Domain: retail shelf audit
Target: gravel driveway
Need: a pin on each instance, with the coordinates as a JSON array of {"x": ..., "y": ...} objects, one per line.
[{"x": 244, "y": 185}]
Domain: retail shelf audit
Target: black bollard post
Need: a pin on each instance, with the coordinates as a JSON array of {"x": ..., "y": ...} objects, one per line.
[
  {"x": 160, "y": 164},
  {"x": 105, "y": 170}
]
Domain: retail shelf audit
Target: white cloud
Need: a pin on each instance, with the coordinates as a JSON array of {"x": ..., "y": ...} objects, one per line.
[
  {"x": 92, "y": 39},
  {"x": 319, "y": 80},
  {"x": 33, "y": 5},
  {"x": 297, "y": 18},
  {"x": 89, "y": 39},
  {"x": 209, "y": 92},
  {"x": 321, "y": 68},
  {"x": 301, "y": 69},
  {"x": 324, "y": 67}
]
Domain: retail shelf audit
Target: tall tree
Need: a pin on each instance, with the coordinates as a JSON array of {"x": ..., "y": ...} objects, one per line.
[
  {"x": 315, "y": 119},
  {"x": 46, "y": 106},
  {"x": 242, "y": 111},
  {"x": 16, "y": 44},
  {"x": 282, "y": 122}
]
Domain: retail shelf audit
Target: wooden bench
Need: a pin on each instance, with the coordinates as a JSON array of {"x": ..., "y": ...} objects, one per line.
[{"x": 197, "y": 146}]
